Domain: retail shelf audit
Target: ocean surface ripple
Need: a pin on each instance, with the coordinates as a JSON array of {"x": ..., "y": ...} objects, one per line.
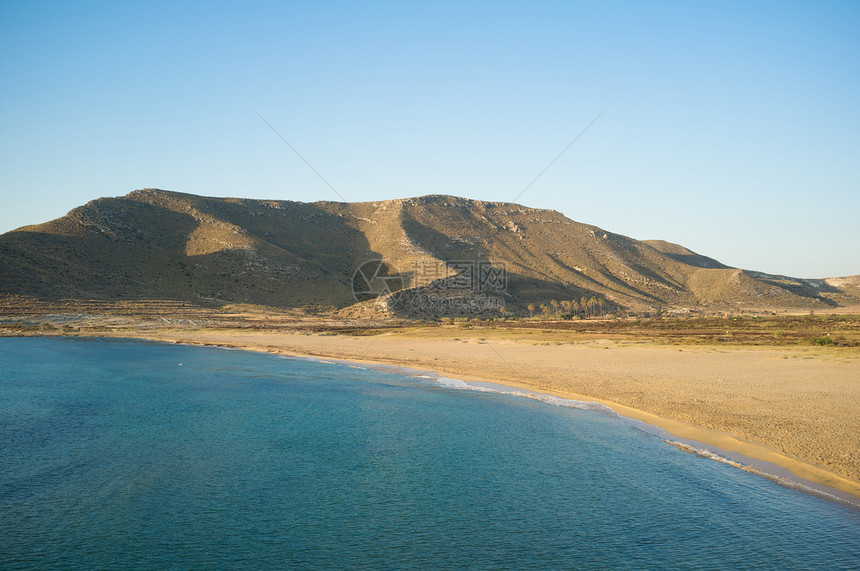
[{"x": 128, "y": 454}]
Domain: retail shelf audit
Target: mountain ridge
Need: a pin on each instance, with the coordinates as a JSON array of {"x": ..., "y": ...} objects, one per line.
[{"x": 163, "y": 244}]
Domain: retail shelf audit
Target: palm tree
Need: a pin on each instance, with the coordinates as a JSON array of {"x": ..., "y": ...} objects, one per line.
[
  {"x": 566, "y": 305},
  {"x": 574, "y": 306},
  {"x": 531, "y": 308},
  {"x": 554, "y": 305},
  {"x": 602, "y": 303},
  {"x": 544, "y": 309}
]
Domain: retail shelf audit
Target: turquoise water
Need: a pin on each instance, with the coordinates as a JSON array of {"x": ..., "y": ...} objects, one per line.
[{"x": 112, "y": 455}]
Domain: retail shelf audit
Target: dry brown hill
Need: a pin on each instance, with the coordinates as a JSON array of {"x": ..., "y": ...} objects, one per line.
[
  {"x": 449, "y": 255},
  {"x": 682, "y": 254}
]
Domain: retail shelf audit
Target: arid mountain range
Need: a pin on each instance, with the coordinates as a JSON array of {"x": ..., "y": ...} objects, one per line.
[{"x": 426, "y": 256}]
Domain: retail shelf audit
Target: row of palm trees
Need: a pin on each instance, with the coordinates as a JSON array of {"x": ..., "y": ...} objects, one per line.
[{"x": 587, "y": 307}]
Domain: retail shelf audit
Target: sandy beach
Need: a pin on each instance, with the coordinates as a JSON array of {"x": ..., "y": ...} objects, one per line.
[{"x": 797, "y": 408}]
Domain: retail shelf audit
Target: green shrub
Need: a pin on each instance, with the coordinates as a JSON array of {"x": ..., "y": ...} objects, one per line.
[{"x": 825, "y": 340}]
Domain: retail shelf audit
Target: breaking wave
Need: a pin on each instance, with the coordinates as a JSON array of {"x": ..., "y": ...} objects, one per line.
[
  {"x": 461, "y": 385},
  {"x": 707, "y": 454}
]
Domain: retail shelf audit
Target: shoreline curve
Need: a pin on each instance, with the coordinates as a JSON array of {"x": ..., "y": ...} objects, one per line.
[{"x": 759, "y": 458}]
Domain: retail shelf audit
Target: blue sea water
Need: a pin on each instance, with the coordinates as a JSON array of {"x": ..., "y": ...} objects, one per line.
[{"x": 138, "y": 455}]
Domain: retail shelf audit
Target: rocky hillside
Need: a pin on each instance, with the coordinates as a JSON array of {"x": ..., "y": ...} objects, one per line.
[{"x": 441, "y": 255}]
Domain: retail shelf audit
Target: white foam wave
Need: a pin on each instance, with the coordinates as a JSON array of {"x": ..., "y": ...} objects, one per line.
[
  {"x": 458, "y": 384},
  {"x": 461, "y": 385},
  {"x": 707, "y": 454}
]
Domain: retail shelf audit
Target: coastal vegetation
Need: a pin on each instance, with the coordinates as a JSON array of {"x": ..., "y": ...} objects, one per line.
[{"x": 22, "y": 316}]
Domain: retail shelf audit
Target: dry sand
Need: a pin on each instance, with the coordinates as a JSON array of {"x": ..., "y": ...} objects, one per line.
[{"x": 798, "y": 408}]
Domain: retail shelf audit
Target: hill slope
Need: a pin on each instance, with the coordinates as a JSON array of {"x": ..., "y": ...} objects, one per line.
[{"x": 156, "y": 244}]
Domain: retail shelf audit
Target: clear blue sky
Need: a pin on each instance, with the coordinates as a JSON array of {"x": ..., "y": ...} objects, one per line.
[{"x": 732, "y": 128}]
